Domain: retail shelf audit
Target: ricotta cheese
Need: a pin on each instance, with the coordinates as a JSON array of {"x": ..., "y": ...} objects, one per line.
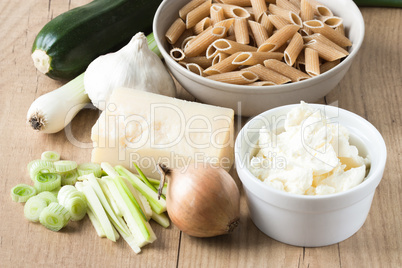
[{"x": 312, "y": 156}]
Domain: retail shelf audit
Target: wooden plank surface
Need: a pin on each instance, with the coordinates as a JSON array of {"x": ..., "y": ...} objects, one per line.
[{"x": 372, "y": 89}]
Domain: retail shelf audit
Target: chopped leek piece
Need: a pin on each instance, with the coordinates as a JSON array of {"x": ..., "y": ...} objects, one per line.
[
  {"x": 54, "y": 217},
  {"x": 124, "y": 187},
  {"x": 55, "y": 191},
  {"x": 47, "y": 181},
  {"x": 145, "y": 180},
  {"x": 74, "y": 201},
  {"x": 158, "y": 206},
  {"x": 40, "y": 166},
  {"x": 33, "y": 208},
  {"x": 110, "y": 171},
  {"x": 22, "y": 192},
  {"x": 96, "y": 224},
  {"x": 162, "y": 219},
  {"x": 50, "y": 156},
  {"x": 49, "y": 197},
  {"x": 142, "y": 201},
  {"x": 65, "y": 165},
  {"x": 69, "y": 177},
  {"x": 109, "y": 197},
  {"x": 89, "y": 168}
]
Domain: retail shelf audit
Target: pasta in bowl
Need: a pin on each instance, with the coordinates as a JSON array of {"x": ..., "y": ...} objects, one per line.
[{"x": 252, "y": 55}]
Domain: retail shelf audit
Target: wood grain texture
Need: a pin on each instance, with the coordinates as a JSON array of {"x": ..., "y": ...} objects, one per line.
[{"x": 372, "y": 89}]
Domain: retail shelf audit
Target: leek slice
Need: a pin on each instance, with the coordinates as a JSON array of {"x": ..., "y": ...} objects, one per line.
[
  {"x": 95, "y": 223},
  {"x": 69, "y": 177},
  {"x": 49, "y": 197},
  {"x": 33, "y": 208},
  {"x": 54, "y": 217},
  {"x": 51, "y": 156},
  {"x": 65, "y": 165},
  {"x": 47, "y": 181},
  {"x": 158, "y": 206},
  {"x": 74, "y": 201},
  {"x": 89, "y": 168},
  {"x": 162, "y": 219},
  {"x": 109, "y": 197},
  {"x": 145, "y": 180},
  {"x": 40, "y": 166},
  {"x": 22, "y": 192},
  {"x": 139, "y": 198},
  {"x": 110, "y": 171}
]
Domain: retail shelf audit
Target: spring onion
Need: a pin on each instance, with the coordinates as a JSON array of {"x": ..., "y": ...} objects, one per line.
[
  {"x": 139, "y": 199},
  {"x": 49, "y": 197},
  {"x": 50, "y": 156},
  {"x": 69, "y": 177},
  {"x": 158, "y": 206},
  {"x": 109, "y": 197},
  {"x": 51, "y": 112},
  {"x": 47, "y": 181},
  {"x": 162, "y": 219},
  {"x": 33, "y": 208},
  {"x": 89, "y": 168},
  {"x": 40, "y": 166},
  {"x": 74, "y": 201},
  {"x": 65, "y": 165},
  {"x": 145, "y": 180},
  {"x": 55, "y": 191},
  {"x": 54, "y": 217},
  {"x": 22, "y": 192}
]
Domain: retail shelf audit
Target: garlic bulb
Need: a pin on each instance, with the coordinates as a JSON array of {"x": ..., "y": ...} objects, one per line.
[{"x": 133, "y": 66}]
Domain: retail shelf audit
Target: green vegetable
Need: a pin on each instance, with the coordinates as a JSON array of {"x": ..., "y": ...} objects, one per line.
[
  {"x": 74, "y": 201},
  {"x": 54, "y": 217},
  {"x": 146, "y": 181},
  {"x": 68, "y": 43},
  {"x": 47, "y": 181},
  {"x": 40, "y": 166},
  {"x": 162, "y": 219},
  {"x": 65, "y": 165},
  {"x": 49, "y": 197},
  {"x": 50, "y": 156},
  {"x": 379, "y": 3},
  {"x": 33, "y": 208},
  {"x": 22, "y": 192},
  {"x": 89, "y": 168},
  {"x": 69, "y": 177}
]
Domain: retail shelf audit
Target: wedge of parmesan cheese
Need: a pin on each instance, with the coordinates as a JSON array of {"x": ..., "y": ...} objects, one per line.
[{"x": 146, "y": 128}]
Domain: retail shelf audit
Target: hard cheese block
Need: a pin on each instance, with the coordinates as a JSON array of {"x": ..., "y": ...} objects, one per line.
[{"x": 148, "y": 129}]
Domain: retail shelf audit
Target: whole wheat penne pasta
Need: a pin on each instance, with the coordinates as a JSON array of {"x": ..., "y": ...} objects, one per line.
[
  {"x": 175, "y": 31},
  {"x": 253, "y": 58},
  {"x": 188, "y": 7},
  {"x": 222, "y": 67},
  {"x": 320, "y": 9},
  {"x": 197, "y": 14},
  {"x": 301, "y": 62},
  {"x": 237, "y": 77},
  {"x": 251, "y": 12},
  {"x": 211, "y": 51},
  {"x": 305, "y": 31},
  {"x": 259, "y": 7},
  {"x": 259, "y": 32},
  {"x": 295, "y": 2},
  {"x": 286, "y": 70},
  {"x": 319, "y": 27},
  {"x": 261, "y": 84},
  {"x": 266, "y": 74},
  {"x": 279, "y": 38},
  {"x": 293, "y": 50},
  {"x": 201, "y": 42},
  {"x": 182, "y": 63},
  {"x": 231, "y": 47},
  {"x": 202, "y": 25},
  {"x": 195, "y": 68},
  {"x": 312, "y": 62},
  {"x": 186, "y": 41},
  {"x": 184, "y": 35},
  {"x": 216, "y": 13},
  {"x": 267, "y": 24},
  {"x": 340, "y": 29},
  {"x": 326, "y": 52},
  {"x": 328, "y": 65},
  {"x": 323, "y": 39},
  {"x": 202, "y": 61},
  {"x": 277, "y": 21},
  {"x": 306, "y": 14},
  {"x": 226, "y": 23},
  {"x": 240, "y": 3},
  {"x": 232, "y": 11},
  {"x": 241, "y": 31},
  {"x": 220, "y": 56},
  {"x": 285, "y": 4},
  {"x": 288, "y": 15},
  {"x": 231, "y": 37},
  {"x": 331, "y": 21},
  {"x": 177, "y": 54}
]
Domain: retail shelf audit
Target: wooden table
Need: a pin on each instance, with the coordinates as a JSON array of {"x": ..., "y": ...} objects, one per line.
[{"x": 372, "y": 89}]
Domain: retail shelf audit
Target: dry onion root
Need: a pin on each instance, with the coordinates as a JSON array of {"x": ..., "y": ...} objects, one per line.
[{"x": 201, "y": 200}]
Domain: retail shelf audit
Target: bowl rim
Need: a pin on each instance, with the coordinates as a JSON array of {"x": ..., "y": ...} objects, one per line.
[
  {"x": 259, "y": 89},
  {"x": 368, "y": 180}
]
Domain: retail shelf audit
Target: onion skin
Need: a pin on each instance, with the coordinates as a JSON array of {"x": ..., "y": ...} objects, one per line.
[{"x": 202, "y": 200}]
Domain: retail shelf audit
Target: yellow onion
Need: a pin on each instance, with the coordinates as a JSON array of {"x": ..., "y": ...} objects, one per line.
[{"x": 201, "y": 200}]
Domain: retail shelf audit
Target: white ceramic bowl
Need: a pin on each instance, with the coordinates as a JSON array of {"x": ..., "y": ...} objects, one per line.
[
  {"x": 311, "y": 221},
  {"x": 250, "y": 101}
]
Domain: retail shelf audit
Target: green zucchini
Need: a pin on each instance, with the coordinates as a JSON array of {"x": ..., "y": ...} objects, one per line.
[{"x": 66, "y": 45}]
